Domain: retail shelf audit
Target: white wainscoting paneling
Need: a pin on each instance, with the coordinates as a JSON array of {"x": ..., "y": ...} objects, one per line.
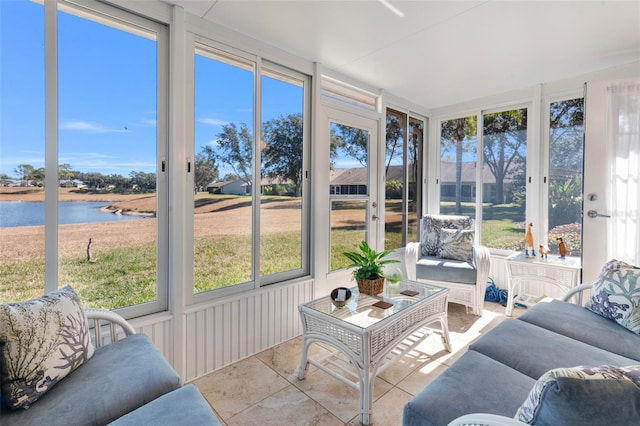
[{"x": 226, "y": 331}]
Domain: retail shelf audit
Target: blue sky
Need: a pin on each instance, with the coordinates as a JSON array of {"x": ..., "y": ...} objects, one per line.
[{"x": 107, "y": 95}]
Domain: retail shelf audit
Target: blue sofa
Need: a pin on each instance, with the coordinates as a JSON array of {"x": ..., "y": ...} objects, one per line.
[
  {"x": 498, "y": 372},
  {"x": 127, "y": 382}
]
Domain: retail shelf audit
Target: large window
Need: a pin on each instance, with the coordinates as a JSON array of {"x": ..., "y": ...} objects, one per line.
[
  {"x": 245, "y": 183},
  {"x": 403, "y": 177},
  {"x": 504, "y": 164},
  {"x": 500, "y": 187},
  {"x": 282, "y": 218},
  {"x": 566, "y": 155},
  {"x": 458, "y": 162},
  {"x": 108, "y": 142},
  {"x": 21, "y": 150}
]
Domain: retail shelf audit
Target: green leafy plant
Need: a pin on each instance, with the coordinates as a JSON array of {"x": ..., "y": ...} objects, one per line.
[{"x": 368, "y": 262}]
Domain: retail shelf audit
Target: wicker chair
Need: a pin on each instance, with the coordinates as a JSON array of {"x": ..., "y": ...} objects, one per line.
[{"x": 447, "y": 257}]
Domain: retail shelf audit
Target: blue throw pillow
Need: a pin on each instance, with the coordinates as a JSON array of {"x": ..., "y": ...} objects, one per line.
[
  {"x": 605, "y": 395},
  {"x": 616, "y": 294}
]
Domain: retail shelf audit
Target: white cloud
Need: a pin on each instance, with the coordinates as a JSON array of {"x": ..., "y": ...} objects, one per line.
[
  {"x": 89, "y": 127},
  {"x": 212, "y": 121}
]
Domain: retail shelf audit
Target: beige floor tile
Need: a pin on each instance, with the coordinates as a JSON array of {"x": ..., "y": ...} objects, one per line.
[
  {"x": 387, "y": 410},
  {"x": 285, "y": 358},
  {"x": 338, "y": 398},
  {"x": 239, "y": 386},
  {"x": 421, "y": 377},
  {"x": 289, "y": 406}
]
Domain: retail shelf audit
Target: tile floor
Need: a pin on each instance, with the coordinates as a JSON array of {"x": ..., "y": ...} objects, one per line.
[{"x": 264, "y": 390}]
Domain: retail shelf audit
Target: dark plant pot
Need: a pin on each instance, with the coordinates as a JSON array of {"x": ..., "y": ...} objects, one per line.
[
  {"x": 371, "y": 287},
  {"x": 334, "y": 295}
]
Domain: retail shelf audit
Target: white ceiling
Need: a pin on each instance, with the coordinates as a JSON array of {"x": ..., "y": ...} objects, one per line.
[{"x": 441, "y": 52}]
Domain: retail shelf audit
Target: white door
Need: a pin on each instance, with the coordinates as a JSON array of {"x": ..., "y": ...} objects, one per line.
[
  {"x": 611, "y": 170},
  {"x": 354, "y": 205}
]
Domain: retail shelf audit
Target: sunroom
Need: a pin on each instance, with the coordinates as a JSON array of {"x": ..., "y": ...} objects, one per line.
[{"x": 358, "y": 117}]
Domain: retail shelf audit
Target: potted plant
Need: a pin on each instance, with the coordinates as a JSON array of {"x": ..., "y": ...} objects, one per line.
[{"x": 368, "y": 265}]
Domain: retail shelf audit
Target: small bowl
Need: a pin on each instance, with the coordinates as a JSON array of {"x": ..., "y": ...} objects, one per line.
[{"x": 344, "y": 296}]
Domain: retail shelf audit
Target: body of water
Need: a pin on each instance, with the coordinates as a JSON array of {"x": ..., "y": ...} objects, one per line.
[{"x": 22, "y": 213}]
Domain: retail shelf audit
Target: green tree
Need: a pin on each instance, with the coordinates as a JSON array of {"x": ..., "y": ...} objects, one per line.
[
  {"x": 143, "y": 182},
  {"x": 206, "y": 170},
  {"x": 24, "y": 173},
  {"x": 354, "y": 142},
  {"x": 65, "y": 172},
  {"x": 455, "y": 132},
  {"x": 505, "y": 142},
  {"x": 38, "y": 176},
  {"x": 282, "y": 154},
  {"x": 234, "y": 148},
  {"x": 394, "y": 139}
]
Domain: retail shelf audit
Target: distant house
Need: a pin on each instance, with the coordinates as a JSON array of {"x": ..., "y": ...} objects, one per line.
[
  {"x": 353, "y": 181},
  {"x": 231, "y": 187},
  {"x": 468, "y": 181}
]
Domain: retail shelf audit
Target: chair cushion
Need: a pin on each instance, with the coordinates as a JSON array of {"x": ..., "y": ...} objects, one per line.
[
  {"x": 456, "y": 244},
  {"x": 184, "y": 406},
  {"x": 584, "y": 396},
  {"x": 41, "y": 341},
  {"x": 448, "y": 270},
  {"x": 616, "y": 294},
  {"x": 581, "y": 324},
  {"x": 431, "y": 226},
  {"x": 120, "y": 377}
]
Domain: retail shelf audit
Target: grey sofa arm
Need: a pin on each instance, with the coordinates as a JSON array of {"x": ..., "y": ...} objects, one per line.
[
  {"x": 577, "y": 291},
  {"x": 98, "y": 318},
  {"x": 482, "y": 419}
]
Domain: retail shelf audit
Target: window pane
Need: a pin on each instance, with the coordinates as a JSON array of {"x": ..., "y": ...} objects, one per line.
[
  {"x": 458, "y": 157},
  {"x": 21, "y": 150},
  {"x": 107, "y": 161},
  {"x": 416, "y": 138},
  {"x": 504, "y": 171},
  {"x": 223, "y": 149},
  {"x": 394, "y": 179},
  {"x": 566, "y": 152},
  {"x": 402, "y": 173},
  {"x": 348, "y": 186},
  {"x": 281, "y": 175}
]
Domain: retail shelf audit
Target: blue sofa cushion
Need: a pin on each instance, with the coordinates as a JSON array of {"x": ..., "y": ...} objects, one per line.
[
  {"x": 584, "y": 396},
  {"x": 474, "y": 383},
  {"x": 181, "y": 406},
  {"x": 448, "y": 270},
  {"x": 616, "y": 294},
  {"x": 41, "y": 341},
  {"x": 581, "y": 324},
  {"x": 533, "y": 350},
  {"x": 119, "y": 378}
]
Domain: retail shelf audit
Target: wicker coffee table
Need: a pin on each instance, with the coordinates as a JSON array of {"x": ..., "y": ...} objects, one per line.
[{"x": 368, "y": 338}]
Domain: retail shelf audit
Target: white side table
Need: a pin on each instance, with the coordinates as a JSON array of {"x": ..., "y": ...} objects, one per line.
[
  {"x": 563, "y": 273},
  {"x": 370, "y": 337}
]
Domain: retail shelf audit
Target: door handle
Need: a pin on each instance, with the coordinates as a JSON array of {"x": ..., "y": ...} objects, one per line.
[
  {"x": 374, "y": 217},
  {"x": 593, "y": 214}
]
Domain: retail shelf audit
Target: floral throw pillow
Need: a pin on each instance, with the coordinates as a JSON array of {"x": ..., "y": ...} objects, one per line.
[
  {"x": 41, "y": 341},
  {"x": 578, "y": 395},
  {"x": 616, "y": 294},
  {"x": 456, "y": 244},
  {"x": 432, "y": 225}
]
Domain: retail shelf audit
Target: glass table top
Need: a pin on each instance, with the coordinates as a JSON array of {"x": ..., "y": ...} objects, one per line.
[{"x": 360, "y": 311}]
